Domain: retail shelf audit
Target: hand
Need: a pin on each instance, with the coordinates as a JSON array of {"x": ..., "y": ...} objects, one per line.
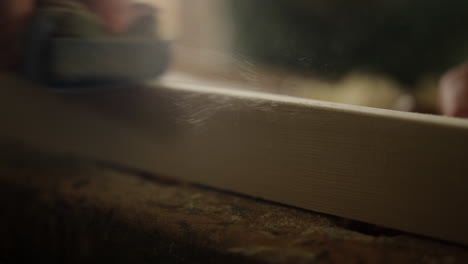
[
  {"x": 454, "y": 92},
  {"x": 15, "y": 13}
]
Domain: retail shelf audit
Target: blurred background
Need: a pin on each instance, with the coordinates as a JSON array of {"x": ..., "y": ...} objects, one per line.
[{"x": 379, "y": 53}]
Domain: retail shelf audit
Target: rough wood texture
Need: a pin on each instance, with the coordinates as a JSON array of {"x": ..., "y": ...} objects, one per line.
[
  {"x": 63, "y": 210},
  {"x": 399, "y": 170}
]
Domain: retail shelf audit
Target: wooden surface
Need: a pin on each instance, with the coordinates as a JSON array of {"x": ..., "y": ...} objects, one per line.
[
  {"x": 399, "y": 170},
  {"x": 58, "y": 209}
]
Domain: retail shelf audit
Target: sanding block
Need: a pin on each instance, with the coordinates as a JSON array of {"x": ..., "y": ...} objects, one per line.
[{"x": 67, "y": 46}]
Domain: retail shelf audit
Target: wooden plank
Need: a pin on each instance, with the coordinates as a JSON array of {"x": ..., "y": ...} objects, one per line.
[{"x": 400, "y": 170}]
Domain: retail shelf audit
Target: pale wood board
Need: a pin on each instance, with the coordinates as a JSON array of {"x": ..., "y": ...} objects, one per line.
[{"x": 400, "y": 170}]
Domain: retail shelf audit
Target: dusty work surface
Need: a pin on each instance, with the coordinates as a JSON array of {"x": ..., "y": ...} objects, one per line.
[{"x": 76, "y": 211}]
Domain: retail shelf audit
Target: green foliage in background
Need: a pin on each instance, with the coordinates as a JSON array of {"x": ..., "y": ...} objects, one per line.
[{"x": 402, "y": 38}]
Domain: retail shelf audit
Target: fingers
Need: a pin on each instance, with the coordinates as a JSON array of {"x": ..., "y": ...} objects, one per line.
[
  {"x": 13, "y": 17},
  {"x": 15, "y": 9},
  {"x": 116, "y": 13}
]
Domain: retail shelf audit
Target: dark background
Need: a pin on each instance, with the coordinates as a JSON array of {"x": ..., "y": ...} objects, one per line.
[{"x": 403, "y": 39}]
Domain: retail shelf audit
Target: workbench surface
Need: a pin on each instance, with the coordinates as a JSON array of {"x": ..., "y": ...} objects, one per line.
[{"x": 70, "y": 210}]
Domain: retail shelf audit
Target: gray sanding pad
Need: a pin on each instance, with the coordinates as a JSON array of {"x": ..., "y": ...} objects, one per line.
[
  {"x": 65, "y": 48},
  {"x": 74, "y": 61}
]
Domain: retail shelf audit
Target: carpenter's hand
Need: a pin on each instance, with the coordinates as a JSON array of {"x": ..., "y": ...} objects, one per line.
[
  {"x": 454, "y": 92},
  {"x": 14, "y": 15}
]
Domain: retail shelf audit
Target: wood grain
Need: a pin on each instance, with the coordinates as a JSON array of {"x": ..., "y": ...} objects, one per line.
[{"x": 399, "y": 170}]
